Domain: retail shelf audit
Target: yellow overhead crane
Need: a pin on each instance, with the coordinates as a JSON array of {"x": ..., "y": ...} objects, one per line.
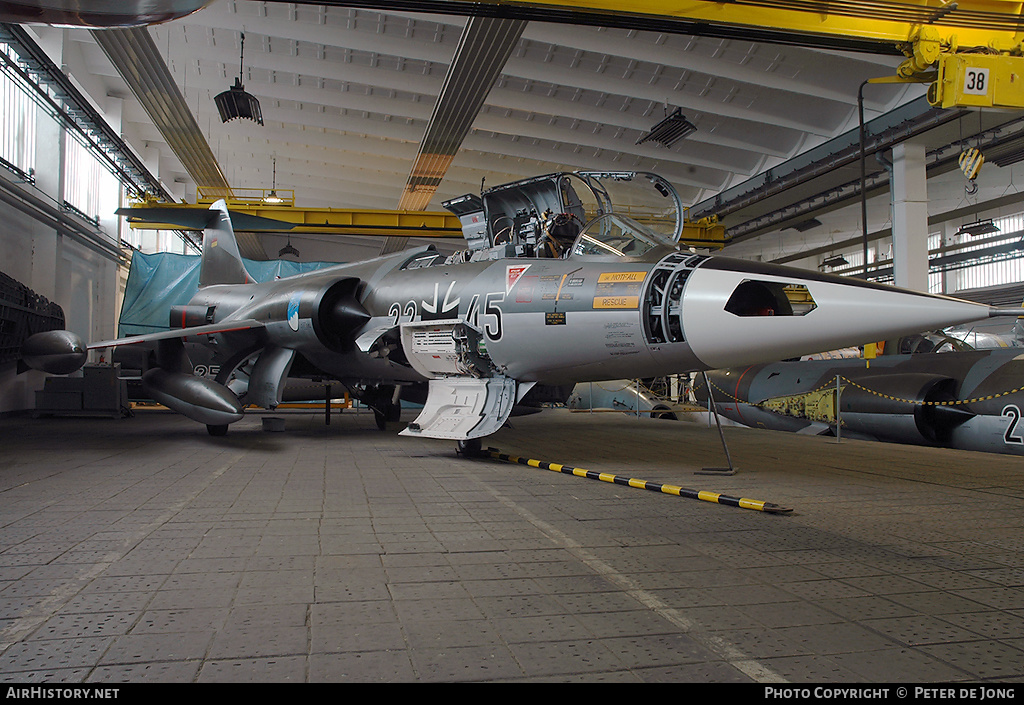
[
  {"x": 274, "y": 211},
  {"x": 970, "y": 51}
]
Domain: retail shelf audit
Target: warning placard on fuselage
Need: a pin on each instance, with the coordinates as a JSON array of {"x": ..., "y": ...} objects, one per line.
[{"x": 618, "y": 290}]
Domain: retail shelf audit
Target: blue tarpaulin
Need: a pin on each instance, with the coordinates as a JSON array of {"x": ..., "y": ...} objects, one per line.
[{"x": 158, "y": 281}]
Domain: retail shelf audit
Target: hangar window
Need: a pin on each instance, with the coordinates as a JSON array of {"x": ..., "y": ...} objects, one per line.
[
  {"x": 17, "y": 142},
  {"x": 765, "y": 298},
  {"x": 84, "y": 180}
]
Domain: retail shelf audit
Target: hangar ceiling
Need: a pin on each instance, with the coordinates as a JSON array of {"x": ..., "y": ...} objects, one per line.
[{"x": 347, "y": 95}]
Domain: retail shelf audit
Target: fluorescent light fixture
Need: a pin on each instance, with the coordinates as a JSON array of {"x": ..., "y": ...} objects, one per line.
[
  {"x": 981, "y": 227},
  {"x": 805, "y": 225},
  {"x": 669, "y": 131},
  {"x": 834, "y": 261}
]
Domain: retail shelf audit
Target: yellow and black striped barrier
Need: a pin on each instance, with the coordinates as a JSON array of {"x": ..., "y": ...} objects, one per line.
[{"x": 705, "y": 496}]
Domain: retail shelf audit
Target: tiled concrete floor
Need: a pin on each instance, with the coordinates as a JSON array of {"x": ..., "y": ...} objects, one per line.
[{"x": 145, "y": 550}]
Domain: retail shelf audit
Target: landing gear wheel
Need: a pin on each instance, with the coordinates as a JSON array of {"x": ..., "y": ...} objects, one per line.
[
  {"x": 217, "y": 429},
  {"x": 390, "y": 412},
  {"x": 472, "y": 447}
]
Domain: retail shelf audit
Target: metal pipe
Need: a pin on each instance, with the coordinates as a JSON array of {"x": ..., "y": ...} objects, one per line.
[
  {"x": 839, "y": 420},
  {"x": 863, "y": 176}
]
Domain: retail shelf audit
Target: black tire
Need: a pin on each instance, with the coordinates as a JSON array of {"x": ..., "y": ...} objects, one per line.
[
  {"x": 217, "y": 429},
  {"x": 469, "y": 448},
  {"x": 390, "y": 412}
]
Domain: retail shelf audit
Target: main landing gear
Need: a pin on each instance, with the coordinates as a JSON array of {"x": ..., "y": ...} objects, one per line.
[{"x": 471, "y": 447}]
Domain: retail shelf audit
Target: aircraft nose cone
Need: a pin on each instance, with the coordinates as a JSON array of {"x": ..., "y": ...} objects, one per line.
[{"x": 738, "y": 313}]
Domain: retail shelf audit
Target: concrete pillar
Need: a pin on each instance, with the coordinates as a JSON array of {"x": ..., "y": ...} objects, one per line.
[{"x": 910, "y": 216}]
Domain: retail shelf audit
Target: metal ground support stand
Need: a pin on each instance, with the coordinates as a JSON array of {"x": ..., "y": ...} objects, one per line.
[{"x": 728, "y": 459}]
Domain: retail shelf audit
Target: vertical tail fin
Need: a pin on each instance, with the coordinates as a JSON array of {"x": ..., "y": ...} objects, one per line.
[{"x": 221, "y": 262}]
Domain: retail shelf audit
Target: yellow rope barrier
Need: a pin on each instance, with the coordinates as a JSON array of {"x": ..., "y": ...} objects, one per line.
[{"x": 831, "y": 382}]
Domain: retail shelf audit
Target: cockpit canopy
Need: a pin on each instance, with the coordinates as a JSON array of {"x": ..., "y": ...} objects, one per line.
[
  {"x": 545, "y": 215},
  {"x": 614, "y": 235}
]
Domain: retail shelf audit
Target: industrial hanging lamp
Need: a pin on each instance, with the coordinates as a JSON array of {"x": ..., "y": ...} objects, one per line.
[
  {"x": 288, "y": 249},
  {"x": 236, "y": 102},
  {"x": 980, "y": 227},
  {"x": 833, "y": 261},
  {"x": 669, "y": 131},
  {"x": 272, "y": 197}
]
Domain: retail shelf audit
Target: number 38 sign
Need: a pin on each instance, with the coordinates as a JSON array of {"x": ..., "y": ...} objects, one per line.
[{"x": 975, "y": 81}]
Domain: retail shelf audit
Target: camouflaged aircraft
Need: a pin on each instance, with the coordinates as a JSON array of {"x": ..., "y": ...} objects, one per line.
[{"x": 966, "y": 399}]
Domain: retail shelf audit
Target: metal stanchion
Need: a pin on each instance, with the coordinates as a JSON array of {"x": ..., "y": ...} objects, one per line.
[
  {"x": 717, "y": 471},
  {"x": 839, "y": 420}
]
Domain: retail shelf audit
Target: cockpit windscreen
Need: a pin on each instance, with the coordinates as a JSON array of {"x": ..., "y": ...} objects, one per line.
[{"x": 614, "y": 235}]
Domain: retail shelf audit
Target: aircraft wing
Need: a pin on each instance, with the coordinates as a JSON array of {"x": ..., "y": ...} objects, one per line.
[{"x": 211, "y": 329}]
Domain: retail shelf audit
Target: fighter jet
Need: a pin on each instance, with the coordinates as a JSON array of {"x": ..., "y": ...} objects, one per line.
[
  {"x": 544, "y": 296},
  {"x": 970, "y": 400}
]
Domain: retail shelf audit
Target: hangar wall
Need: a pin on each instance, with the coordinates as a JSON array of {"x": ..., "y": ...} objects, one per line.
[{"x": 51, "y": 263}]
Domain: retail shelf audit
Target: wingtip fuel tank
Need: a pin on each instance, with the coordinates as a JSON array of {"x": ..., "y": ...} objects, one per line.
[{"x": 58, "y": 352}]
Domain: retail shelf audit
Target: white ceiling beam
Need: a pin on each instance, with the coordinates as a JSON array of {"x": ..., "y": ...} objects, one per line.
[
  {"x": 489, "y": 121},
  {"x": 441, "y": 54}
]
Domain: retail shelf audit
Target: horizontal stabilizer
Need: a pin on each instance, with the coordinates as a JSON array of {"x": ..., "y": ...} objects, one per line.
[{"x": 197, "y": 218}]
